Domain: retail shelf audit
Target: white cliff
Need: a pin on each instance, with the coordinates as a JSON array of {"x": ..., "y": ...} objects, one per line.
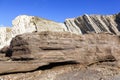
[
  {"x": 24, "y": 23},
  {"x": 5, "y": 36}
]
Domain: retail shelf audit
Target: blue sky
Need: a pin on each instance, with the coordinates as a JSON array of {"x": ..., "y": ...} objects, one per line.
[{"x": 57, "y": 10}]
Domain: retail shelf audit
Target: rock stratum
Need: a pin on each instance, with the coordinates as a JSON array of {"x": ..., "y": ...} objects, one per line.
[
  {"x": 83, "y": 48},
  {"x": 80, "y": 25},
  {"x": 62, "y": 56}
]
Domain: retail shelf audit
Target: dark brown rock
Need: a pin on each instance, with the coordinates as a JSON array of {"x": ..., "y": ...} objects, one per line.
[{"x": 4, "y": 49}]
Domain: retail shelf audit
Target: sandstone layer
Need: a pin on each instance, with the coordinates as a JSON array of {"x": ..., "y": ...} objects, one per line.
[{"x": 62, "y": 56}]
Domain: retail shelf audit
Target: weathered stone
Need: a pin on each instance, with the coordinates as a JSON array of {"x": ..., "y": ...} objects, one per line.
[
  {"x": 80, "y": 25},
  {"x": 59, "y": 55},
  {"x": 52, "y": 47},
  {"x": 72, "y": 57},
  {"x": 24, "y": 24},
  {"x": 94, "y": 23},
  {"x": 5, "y": 36},
  {"x": 4, "y": 49},
  {"x": 87, "y": 48}
]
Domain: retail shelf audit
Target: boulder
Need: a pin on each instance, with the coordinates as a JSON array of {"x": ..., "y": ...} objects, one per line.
[
  {"x": 56, "y": 46},
  {"x": 52, "y": 47}
]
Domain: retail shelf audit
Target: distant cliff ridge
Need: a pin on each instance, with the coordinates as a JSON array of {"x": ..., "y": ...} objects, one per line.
[
  {"x": 80, "y": 25},
  {"x": 94, "y": 23}
]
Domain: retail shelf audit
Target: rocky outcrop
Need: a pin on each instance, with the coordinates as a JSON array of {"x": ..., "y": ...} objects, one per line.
[
  {"x": 23, "y": 24},
  {"x": 72, "y": 57},
  {"x": 57, "y": 53},
  {"x": 94, "y": 23},
  {"x": 66, "y": 47},
  {"x": 80, "y": 25},
  {"x": 5, "y": 36}
]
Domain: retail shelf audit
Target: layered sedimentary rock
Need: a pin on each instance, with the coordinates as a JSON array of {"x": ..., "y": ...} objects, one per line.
[
  {"x": 72, "y": 57},
  {"x": 57, "y": 53},
  {"x": 94, "y": 23},
  {"x": 49, "y": 47},
  {"x": 80, "y": 25}
]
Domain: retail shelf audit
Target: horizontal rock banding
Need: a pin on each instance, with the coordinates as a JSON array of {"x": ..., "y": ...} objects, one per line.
[
  {"x": 80, "y": 25},
  {"x": 52, "y": 47}
]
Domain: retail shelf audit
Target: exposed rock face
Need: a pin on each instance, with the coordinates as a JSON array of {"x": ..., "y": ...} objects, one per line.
[
  {"x": 94, "y": 23},
  {"x": 85, "y": 49},
  {"x": 24, "y": 24},
  {"x": 72, "y": 57},
  {"x": 5, "y": 36},
  {"x": 81, "y": 25}
]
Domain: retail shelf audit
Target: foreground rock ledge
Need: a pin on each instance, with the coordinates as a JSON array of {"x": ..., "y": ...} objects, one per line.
[{"x": 30, "y": 51}]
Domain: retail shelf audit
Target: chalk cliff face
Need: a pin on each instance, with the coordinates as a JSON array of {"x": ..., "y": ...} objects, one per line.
[
  {"x": 5, "y": 36},
  {"x": 24, "y": 24},
  {"x": 80, "y": 25}
]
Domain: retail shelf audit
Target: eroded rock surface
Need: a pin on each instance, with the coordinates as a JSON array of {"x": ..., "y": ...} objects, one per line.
[
  {"x": 88, "y": 48},
  {"x": 94, "y": 23},
  {"x": 23, "y": 24},
  {"x": 80, "y": 25},
  {"x": 57, "y": 53},
  {"x": 62, "y": 56},
  {"x": 5, "y": 36}
]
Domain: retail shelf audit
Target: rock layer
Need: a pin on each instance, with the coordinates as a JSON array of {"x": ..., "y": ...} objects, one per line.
[
  {"x": 52, "y": 47},
  {"x": 72, "y": 57},
  {"x": 94, "y": 23}
]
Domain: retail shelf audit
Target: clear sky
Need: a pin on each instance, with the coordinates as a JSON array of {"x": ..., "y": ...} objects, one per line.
[{"x": 57, "y": 10}]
